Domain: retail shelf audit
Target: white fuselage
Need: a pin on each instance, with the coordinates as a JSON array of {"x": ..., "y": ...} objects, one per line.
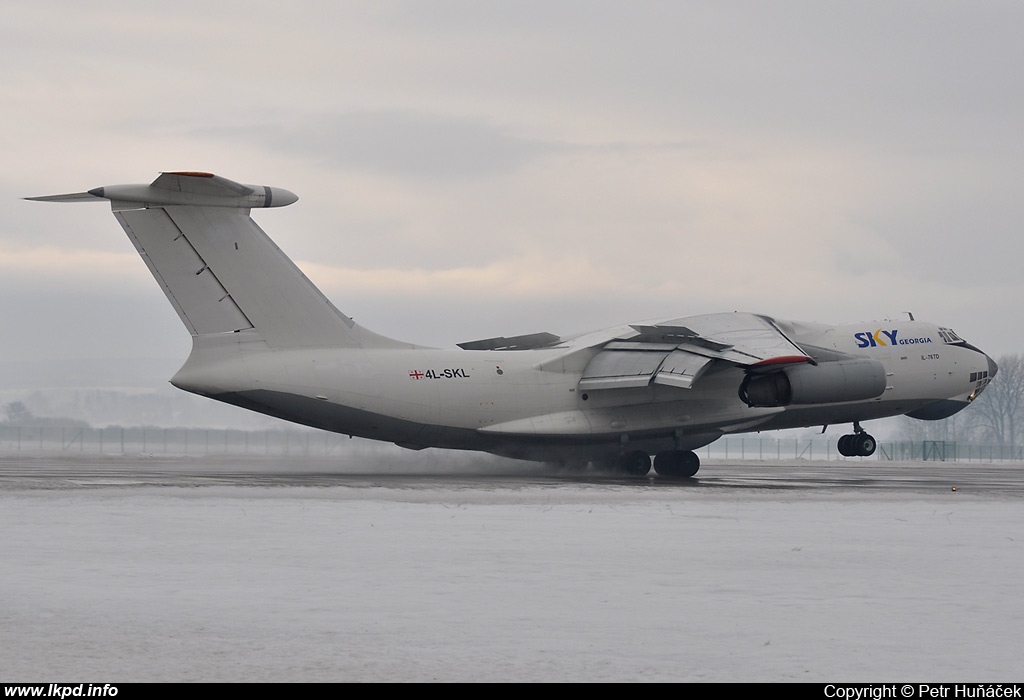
[{"x": 528, "y": 404}]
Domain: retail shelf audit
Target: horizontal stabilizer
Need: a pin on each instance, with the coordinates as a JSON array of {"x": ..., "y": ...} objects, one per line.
[
  {"x": 73, "y": 197},
  {"x": 194, "y": 189}
]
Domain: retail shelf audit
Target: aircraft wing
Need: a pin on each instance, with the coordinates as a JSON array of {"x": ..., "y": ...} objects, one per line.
[{"x": 677, "y": 352}]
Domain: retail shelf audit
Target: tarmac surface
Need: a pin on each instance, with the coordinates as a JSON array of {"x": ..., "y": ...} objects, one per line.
[
  {"x": 70, "y": 470},
  {"x": 141, "y": 568}
]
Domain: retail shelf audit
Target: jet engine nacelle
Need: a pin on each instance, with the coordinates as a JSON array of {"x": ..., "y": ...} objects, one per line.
[{"x": 828, "y": 382}]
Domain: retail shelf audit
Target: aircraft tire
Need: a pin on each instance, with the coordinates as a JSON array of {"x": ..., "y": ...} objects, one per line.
[
  {"x": 844, "y": 446},
  {"x": 636, "y": 463},
  {"x": 864, "y": 444},
  {"x": 677, "y": 463},
  {"x": 857, "y": 445}
]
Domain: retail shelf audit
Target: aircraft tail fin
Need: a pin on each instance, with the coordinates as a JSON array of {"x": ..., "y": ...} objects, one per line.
[{"x": 219, "y": 270}]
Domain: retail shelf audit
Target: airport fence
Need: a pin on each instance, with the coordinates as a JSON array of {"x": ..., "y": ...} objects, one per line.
[
  {"x": 313, "y": 443},
  {"x": 172, "y": 441},
  {"x": 778, "y": 449}
]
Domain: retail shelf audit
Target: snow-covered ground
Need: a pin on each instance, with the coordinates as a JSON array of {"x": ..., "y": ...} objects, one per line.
[{"x": 109, "y": 578}]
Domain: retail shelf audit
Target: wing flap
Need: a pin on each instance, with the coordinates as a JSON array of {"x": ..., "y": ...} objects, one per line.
[
  {"x": 618, "y": 369},
  {"x": 681, "y": 369},
  {"x": 676, "y": 353},
  {"x": 741, "y": 338}
]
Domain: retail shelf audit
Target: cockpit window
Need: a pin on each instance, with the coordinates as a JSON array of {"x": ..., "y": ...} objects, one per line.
[{"x": 949, "y": 337}]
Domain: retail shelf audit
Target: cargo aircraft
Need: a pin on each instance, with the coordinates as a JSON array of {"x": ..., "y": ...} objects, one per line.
[{"x": 266, "y": 339}]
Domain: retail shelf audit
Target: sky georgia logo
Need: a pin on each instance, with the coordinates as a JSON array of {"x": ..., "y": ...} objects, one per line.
[{"x": 884, "y": 338}]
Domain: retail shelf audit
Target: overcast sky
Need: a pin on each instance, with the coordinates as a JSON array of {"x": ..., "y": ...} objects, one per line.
[{"x": 470, "y": 169}]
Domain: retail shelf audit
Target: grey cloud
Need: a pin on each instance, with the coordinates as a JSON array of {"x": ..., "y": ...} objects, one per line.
[
  {"x": 913, "y": 76},
  {"x": 400, "y": 143}
]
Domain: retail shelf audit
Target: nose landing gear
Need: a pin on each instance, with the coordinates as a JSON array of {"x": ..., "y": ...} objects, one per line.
[{"x": 859, "y": 444}]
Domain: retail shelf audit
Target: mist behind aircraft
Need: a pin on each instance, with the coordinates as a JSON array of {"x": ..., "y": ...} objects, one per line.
[{"x": 552, "y": 162}]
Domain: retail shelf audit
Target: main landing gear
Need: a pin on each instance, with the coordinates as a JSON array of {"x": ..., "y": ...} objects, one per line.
[
  {"x": 674, "y": 463},
  {"x": 677, "y": 463},
  {"x": 859, "y": 444},
  {"x": 636, "y": 463}
]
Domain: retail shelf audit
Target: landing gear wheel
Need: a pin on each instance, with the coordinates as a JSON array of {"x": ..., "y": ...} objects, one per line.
[
  {"x": 636, "y": 463},
  {"x": 857, "y": 445},
  {"x": 677, "y": 463},
  {"x": 844, "y": 446},
  {"x": 863, "y": 444}
]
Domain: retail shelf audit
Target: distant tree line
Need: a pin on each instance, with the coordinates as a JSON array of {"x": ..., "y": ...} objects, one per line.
[{"x": 18, "y": 414}]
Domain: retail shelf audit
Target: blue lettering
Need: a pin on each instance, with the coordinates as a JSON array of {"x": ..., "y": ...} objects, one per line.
[
  {"x": 862, "y": 339},
  {"x": 891, "y": 335}
]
